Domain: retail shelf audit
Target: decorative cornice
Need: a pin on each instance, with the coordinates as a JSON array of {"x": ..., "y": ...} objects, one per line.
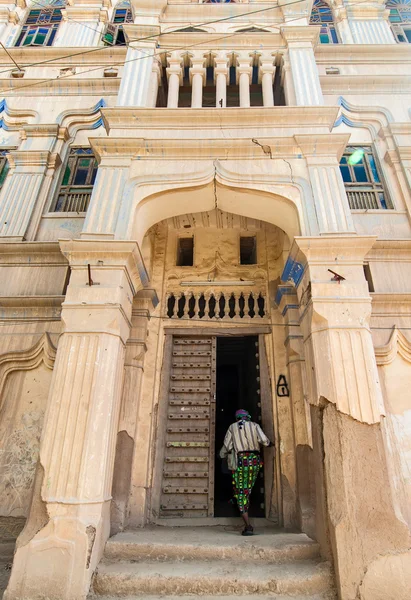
[
  {"x": 83, "y": 14},
  {"x": 166, "y": 148},
  {"x": 390, "y": 251},
  {"x": 31, "y": 253},
  {"x": 397, "y": 344},
  {"x": 68, "y": 86},
  {"x": 42, "y": 351},
  {"x": 298, "y": 36},
  {"x": 365, "y": 84},
  {"x": 57, "y": 56},
  {"x": 282, "y": 117},
  {"x": 338, "y": 54}
]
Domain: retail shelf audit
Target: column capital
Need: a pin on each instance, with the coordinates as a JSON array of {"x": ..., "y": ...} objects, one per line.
[
  {"x": 301, "y": 37},
  {"x": 322, "y": 149},
  {"x": 175, "y": 60},
  {"x": 197, "y": 60},
  {"x": 244, "y": 65},
  {"x": 134, "y": 34},
  {"x": 84, "y": 14},
  {"x": 266, "y": 66}
]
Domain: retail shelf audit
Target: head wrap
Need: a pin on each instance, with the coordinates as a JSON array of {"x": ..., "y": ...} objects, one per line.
[{"x": 242, "y": 415}]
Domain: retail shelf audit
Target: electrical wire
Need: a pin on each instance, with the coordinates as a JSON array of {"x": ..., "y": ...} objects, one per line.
[{"x": 179, "y": 30}]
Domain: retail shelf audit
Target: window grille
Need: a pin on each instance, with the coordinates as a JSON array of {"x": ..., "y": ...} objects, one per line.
[
  {"x": 4, "y": 166},
  {"x": 321, "y": 15},
  {"x": 78, "y": 180},
  {"x": 41, "y": 25},
  {"x": 362, "y": 179},
  {"x": 114, "y": 33},
  {"x": 400, "y": 17}
]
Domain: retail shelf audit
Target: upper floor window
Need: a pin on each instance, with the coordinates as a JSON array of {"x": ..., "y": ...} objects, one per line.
[
  {"x": 41, "y": 24},
  {"x": 362, "y": 179},
  {"x": 322, "y": 15},
  {"x": 114, "y": 34},
  {"x": 78, "y": 180},
  {"x": 4, "y": 166},
  {"x": 400, "y": 17}
]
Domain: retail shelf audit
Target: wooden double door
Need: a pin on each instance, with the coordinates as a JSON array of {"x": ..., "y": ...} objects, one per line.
[{"x": 205, "y": 379}]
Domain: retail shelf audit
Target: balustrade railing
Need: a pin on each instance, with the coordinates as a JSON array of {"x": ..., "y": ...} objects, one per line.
[
  {"x": 366, "y": 199},
  {"x": 222, "y": 305},
  {"x": 76, "y": 200}
]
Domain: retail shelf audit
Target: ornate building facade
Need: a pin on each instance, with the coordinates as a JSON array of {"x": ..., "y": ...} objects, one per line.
[{"x": 204, "y": 204}]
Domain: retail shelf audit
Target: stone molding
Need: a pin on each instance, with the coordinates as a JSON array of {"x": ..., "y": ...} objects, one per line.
[
  {"x": 397, "y": 344},
  {"x": 24, "y": 360},
  {"x": 70, "y": 86},
  {"x": 222, "y": 148},
  {"x": 227, "y": 118}
]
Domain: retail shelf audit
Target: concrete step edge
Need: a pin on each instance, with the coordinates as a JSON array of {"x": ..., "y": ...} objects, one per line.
[
  {"x": 120, "y": 550},
  {"x": 213, "y": 579}
]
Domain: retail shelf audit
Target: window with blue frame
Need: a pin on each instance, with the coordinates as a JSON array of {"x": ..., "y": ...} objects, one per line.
[
  {"x": 4, "y": 166},
  {"x": 78, "y": 179},
  {"x": 400, "y": 18},
  {"x": 41, "y": 25},
  {"x": 114, "y": 33},
  {"x": 321, "y": 15},
  {"x": 362, "y": 179}
]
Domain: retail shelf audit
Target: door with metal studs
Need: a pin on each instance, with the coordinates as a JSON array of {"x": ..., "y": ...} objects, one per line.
[{"x": 187, "y": 488}]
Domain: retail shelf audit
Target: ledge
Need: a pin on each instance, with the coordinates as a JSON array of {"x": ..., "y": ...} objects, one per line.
[
  {"x": 365, "y": 84},
  {"x": 64, "y": 86},
  {"x": 219, "y": 118},
  {"x": 57, "y": 56},
  {"x": 363, "y": 53},
  {"x": 31, "y": 254}
]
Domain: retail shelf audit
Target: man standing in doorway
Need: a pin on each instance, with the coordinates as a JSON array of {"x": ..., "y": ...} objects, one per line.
[{"x": 242, "y": 449}]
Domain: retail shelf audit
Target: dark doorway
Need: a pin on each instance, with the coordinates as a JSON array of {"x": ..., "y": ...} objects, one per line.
[{"x": 238, "y": 386}]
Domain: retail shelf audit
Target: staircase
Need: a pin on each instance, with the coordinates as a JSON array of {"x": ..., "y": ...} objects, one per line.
[{"x": 206, "y": 562}]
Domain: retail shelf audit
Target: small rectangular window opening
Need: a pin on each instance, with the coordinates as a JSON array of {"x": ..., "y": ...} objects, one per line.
[
  {"x": 185, "y": 252},
  {"x": 368, "y": 277},
  {"x": 248, "y": 250}
]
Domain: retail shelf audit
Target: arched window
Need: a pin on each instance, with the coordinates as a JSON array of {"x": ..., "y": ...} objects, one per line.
[
  {"x": 322, "y": 15},
  {"x": 114, "y": 34},
  {"x": 41, "y": 24},
  {"x": 400, "y": 17}
]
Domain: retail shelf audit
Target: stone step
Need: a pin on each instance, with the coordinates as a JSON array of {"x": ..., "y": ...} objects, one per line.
[
  {"x": 214, "y": 578},
  {"x": 225, "y": 543},
  {"x": 250, "y": 597}
]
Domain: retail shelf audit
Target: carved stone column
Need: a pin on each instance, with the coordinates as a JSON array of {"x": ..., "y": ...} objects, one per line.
[
  {"x": 101, "y": 218},
  {"x": 136, "y": 348},
  {"x": 81, "y": 26},
  {"x": 221, "y": 79},
  {"x": 155, "y": 83},
  {"x": 79, "y": 436},
  {"x": 244, "y": 74},
  {"x": 369, "y": 22},
  {"x": 299, "y": 408},
  {"x": 27, "y": 185},
  {"x": 8, "y": 18},
  {"x": 197, "y": 80},
  {"x": 266, "y": 78},
  {"x": 136, "y": 81},
  {"x": 369, "y": 540},
  {"x": 175, "y": 78},
  {"x": 301, "y": 42},
  {"x": 322, "y": 154}
]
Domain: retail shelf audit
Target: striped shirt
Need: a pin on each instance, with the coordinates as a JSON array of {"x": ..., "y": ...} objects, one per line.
[{"x": 246, "y": 438}]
